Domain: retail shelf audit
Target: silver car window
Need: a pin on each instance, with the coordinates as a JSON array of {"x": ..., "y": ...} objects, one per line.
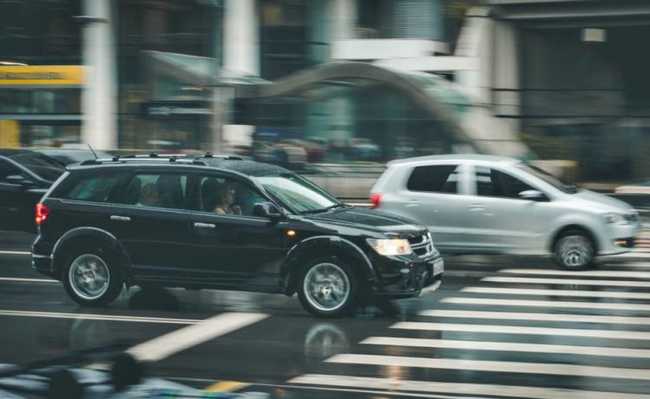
[
  {"x": 435, "y": 179},
  {"x": 495, "y": 183}
]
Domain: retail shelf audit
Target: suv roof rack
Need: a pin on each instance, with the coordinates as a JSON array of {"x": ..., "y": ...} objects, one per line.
[{"x": 196, "y": 160}]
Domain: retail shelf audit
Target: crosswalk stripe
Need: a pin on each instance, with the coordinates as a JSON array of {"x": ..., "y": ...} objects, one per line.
[
  {"x": 549, "y": 304},
  {"x": 563, "y": 281},
  {"x": 509, "y": 347},
  {"x": 494, "y": 366},
  {"x": 571, "y": 293},
  {"x": 500, "y": 329},
  {"x": 506, "y": 391},
  {"x": 573, "y": 318},
  {"x": 585, "y": 273}
]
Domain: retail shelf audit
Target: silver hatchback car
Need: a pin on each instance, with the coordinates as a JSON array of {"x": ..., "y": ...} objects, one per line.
[{"x": 481, "y": 204}]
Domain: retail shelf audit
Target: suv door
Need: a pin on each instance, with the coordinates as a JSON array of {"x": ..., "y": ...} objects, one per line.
[
  {"x": 231, "y": 246},
  {"x": 151, "y": 222},
  {"x": 436, "y": 195},
  {"x": 503, "y": 221}
]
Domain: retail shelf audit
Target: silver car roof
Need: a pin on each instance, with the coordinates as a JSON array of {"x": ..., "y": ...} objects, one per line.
[{"x": 454, "y": 157}]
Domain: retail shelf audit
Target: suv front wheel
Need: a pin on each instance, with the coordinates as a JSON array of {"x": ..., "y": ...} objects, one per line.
[
  {"x": 328, "y": 288},
  {"x": 91, "y": 278},
  {"x": 574, "y": 250}
]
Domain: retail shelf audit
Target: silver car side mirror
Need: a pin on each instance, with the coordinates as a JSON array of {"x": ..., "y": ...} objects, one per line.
[{"x": 532, "y": 195}]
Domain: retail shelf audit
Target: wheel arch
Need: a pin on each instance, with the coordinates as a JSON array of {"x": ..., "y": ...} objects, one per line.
[
  {"x": 574, "y": 227},
  {"x": 88, "y": 236},
  {"x": 323, "y": 246}
]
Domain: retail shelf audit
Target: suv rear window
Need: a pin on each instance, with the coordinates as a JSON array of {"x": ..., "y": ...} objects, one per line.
[
  {"x": 97, "y": 188},
  {"x": 434, "y": 179}
]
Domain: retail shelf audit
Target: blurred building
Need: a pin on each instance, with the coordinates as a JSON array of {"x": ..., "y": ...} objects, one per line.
[{"x": 574, "y": 76}]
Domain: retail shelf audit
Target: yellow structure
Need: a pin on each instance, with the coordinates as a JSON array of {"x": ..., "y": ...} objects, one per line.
[
  {"x": 42, "y": 75},
  {"x": 9, "y": 134}
]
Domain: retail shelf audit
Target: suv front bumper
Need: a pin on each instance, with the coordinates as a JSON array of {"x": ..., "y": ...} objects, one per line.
[{"x": 413, "y": 277}]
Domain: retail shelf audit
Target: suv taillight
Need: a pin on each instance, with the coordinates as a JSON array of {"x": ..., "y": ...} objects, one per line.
[
  {"x": 375, "y": 200},
  {"x": 41, "y": 213}
]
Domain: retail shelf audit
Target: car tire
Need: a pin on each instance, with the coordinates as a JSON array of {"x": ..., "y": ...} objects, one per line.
[
  {"x": 574, "y": 250},
  {"x": 328, "y": 288},
  {"x": 92, "y": 277}
]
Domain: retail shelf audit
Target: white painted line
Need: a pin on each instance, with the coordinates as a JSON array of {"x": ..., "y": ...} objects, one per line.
[
  {"x": 179, "y": 340},
  {"x": 494, "y": 366},
  {"x": 633, "y": 254},
  {"x": 509, "y": 347},
  {"x": 15, "y": 253},
  {"x": 549, "y": 304},
  {"x": 85, "y": 316},
  {"x": 567, "y": 281},
  {"x": 564, "y": 293},
  {"x": 506, "y": 391},
  {"x": 561, "y": 317},
  {"x": 499, "y": 329},
  {"x": 586, "y": 273},
  {"x": 29, "y": 280}
]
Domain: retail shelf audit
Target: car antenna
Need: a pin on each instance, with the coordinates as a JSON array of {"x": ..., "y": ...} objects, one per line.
[{"x": 93, "y": 151}]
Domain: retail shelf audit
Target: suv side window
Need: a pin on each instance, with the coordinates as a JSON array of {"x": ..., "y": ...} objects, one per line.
[
  {"x": 435, "y": 179},
  {"x": 161, "y": 190},
  {"x": 494, "y": 183},
  {"x": 224, "y": 196},
  {"x": 94, "y": 188}
]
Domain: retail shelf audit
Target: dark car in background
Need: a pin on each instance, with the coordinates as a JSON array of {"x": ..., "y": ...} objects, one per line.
[
  {"x": 223, "y": 223},
  {"x": 24, "y": 177},
  {"x": 67, "y": 156}
]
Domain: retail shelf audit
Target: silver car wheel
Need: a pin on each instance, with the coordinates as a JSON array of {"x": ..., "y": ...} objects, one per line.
[
  {"x": 89, "y": 276},
  {"x": 326, "y": 287},
  {"x": 575, "y": 251}
]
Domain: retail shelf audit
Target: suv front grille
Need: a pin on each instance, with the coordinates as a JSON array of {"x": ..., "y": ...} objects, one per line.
[{"x": 422, "y": 245}]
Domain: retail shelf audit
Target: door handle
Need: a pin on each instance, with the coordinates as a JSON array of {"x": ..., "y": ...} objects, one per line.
[
  {"x": 120, "y": 218},
  {"x": 200, "y": 225},
  {"x": 476, "y": 208}
]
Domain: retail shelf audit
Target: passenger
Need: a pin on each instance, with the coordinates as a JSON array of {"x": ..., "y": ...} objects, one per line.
[
  {"x": 225, "y": 197},
  {"x": 149, "y": 196}
]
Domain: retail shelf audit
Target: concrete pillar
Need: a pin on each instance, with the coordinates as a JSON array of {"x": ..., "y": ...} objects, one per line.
[
  {"x": 99, "y": 95},
  {"x": 241, "y": 49},
  {"x": 343, "y": 19}
]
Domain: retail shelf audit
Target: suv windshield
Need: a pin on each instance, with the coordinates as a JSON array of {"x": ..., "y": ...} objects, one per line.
[
  {"x": 549, "y": 178},
  {"x": 298, "y": 194},
  {"x": 44, "y": 167}
]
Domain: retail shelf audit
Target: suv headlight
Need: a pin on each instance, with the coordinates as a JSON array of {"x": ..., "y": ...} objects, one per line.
[
  {"x": 614, "y": 218},
  {"x": 390, "y": 246}
]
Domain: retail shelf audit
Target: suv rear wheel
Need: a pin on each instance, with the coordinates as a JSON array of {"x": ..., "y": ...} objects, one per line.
[
  {"x": 327, "y": 288},
  {"x": 92, "y": 278},
  {"x": 574, "y": 250}
]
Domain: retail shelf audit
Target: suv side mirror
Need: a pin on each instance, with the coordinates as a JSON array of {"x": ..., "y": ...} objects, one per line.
[
  {"x": 20, "y": 180},
  {"x": 532, "y": 195},
  {"x": 267, "y": 210}
]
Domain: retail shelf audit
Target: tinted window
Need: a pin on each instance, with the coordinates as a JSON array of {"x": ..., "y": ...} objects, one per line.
[
  {"x": 42, "y": 166},
  {"x": 101, "y": 188},
  {"x": 225, "y": 196},
  {"x": 435, "y": 179},
  {"x": 163, "y": 190},
  {"x": 494, "y": 183}
]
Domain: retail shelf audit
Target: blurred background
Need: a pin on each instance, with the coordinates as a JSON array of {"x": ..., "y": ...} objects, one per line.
[{"x": 335, "y": 88}]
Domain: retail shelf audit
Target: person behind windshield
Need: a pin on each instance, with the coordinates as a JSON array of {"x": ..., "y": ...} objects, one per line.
[{"x": 225, "y": 201}]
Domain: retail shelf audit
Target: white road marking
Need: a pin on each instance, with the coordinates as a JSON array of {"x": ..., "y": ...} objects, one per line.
[
  {"x": 565, "y": 293},
  {"x": 86, "y": 316},
  {"x": 585, "y": 273},
  {"x": 29, "y": 280},
  {"x": 573, "y": 318},
  {"x": 508, "y": 391},
  {"x": 494, "y": 366},
  {"x": 179, "y": 340},
  {"x": 15, "y": 253},
  {"x": 549, "y": 304},
  {"x": 509, "y": 347},
  {"x": 566, "y": 281},
  {"x": 499, "y": 329}
]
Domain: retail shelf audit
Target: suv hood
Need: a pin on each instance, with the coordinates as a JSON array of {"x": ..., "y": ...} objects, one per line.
[
  {"x": 366, "y": 219},
  {"x": 603, "y": 201}
]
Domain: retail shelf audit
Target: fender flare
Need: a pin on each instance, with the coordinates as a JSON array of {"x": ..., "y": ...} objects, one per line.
[
  {"x": 107, "y": 240},
  {"x": 332, "y": 244}
]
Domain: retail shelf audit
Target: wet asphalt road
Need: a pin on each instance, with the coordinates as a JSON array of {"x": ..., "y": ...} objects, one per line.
[{"x": 556, "y": 334}]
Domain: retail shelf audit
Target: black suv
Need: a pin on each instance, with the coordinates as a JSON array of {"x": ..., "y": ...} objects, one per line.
[{"x": 223, "y": 223}]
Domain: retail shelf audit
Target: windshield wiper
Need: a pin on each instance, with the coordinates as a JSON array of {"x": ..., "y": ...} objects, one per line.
[{"x": 327, "y": 208}]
